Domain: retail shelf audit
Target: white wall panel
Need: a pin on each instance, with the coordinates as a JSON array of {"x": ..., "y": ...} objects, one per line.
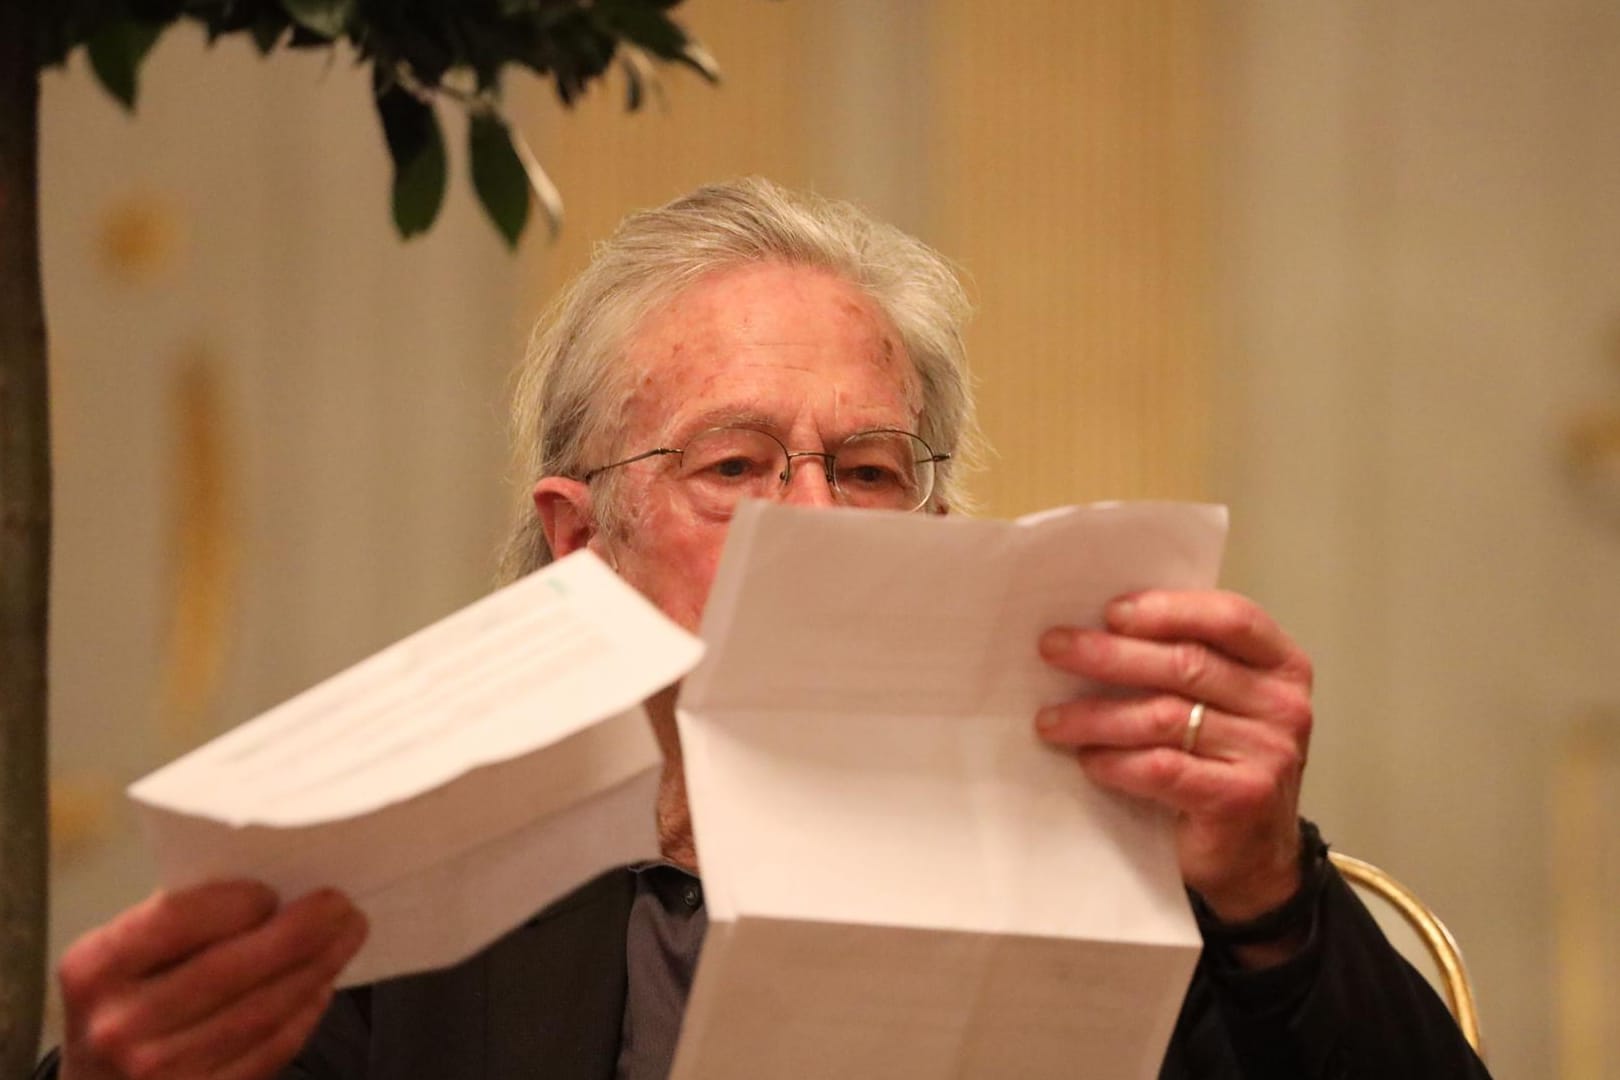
[{"x": 1419, "y": 259}]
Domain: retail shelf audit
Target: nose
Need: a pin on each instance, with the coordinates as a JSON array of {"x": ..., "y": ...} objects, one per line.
[{"x": 807, "y": 481}]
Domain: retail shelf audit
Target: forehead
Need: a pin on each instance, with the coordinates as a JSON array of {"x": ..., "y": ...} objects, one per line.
[{"x": 770, "y": 343}]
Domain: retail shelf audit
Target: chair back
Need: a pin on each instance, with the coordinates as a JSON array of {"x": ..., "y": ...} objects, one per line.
[{"x": 1419, "y": 935}]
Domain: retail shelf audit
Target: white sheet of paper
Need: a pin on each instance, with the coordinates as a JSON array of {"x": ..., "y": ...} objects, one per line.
[
  {"x": 902, "y": 881},
  {"x": 451, "y": 784}
]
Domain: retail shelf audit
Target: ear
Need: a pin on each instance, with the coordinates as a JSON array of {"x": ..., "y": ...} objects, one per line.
[{"x": 564, "y": 506}]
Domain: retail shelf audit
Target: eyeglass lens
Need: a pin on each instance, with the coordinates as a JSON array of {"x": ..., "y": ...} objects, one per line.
[{"x": 878, "y": 470}]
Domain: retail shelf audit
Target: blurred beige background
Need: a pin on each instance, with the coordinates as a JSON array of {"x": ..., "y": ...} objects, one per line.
[{"x": 1353, "y": 268}]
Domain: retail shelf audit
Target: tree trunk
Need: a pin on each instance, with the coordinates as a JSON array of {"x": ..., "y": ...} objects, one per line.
[{"x": 25, "y": 548}]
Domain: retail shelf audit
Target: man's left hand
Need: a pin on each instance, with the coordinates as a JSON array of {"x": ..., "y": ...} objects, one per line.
[{"x": 1236, "y": 790}]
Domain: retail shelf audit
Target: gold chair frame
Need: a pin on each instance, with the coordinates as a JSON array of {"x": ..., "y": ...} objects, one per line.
[{"x": 1459, "y": 991}]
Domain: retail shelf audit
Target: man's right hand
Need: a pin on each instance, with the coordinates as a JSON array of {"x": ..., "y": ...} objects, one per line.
[{"x": 214, "y": 981}]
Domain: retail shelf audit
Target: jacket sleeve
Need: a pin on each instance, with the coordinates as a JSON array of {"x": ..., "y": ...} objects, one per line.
[{"x": 1347, "y": 1006}]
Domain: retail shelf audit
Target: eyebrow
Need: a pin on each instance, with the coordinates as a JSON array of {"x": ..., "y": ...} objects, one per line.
[
  {"x": 727, "y": 417},
  {"x": 746, "y": 417}
]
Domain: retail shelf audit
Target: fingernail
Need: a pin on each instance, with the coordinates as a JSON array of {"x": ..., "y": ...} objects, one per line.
[
  {"x": 1121, "y": 610},
  {"x": 1047, "y": 718},
  {"x": 1056, "y": 642},
  {"x": 333, "y": 900}
]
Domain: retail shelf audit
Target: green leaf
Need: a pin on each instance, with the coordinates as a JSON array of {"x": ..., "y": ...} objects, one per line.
[
  {"x": 219, "y": 17},
  {"x": 698, "y": 58},
  {"x": 417, "y": 148},
  {"x": 642, "y": 24},
  {"x": 498, "y": 176},
  {"x": 484, "y": 47},
  {"x": 116, "y": 51},
  {"x": 267, "y": 30},
  {"x": 634, "y": 92},
  {"x": 328, "y": 18},
  {"x": 302, "y": 37}
]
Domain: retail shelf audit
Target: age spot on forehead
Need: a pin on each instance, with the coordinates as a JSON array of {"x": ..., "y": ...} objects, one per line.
[
  {"x": 775, "y": 337},
  {"x": 890, "y": 357}
]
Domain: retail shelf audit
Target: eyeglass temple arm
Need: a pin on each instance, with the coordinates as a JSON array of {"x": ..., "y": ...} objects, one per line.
[{"x": 627, "y": 461}]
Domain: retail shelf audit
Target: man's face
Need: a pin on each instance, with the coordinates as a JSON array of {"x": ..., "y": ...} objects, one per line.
[{"x": 796, "y": 351}]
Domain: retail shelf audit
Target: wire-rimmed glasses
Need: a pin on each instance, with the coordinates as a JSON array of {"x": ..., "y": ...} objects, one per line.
[{"x": 881, "y": 469}]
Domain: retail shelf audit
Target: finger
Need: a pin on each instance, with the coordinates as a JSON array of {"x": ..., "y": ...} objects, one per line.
[
  {"x": 1192, "y": 785},
  {"x": 269, "y": 1057},
  {"x": 1234, "y": 624},
  {"x": 238, "y": 1029},
  {"x": 1158, "y": 721},
  {"x": 160, "y": 931},
  {"x": 1185, "y": 668},
  {"x": 298, "y": 934}
]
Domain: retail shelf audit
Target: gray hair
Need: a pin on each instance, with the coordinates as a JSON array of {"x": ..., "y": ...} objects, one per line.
[{"x": 573, "y": 380}]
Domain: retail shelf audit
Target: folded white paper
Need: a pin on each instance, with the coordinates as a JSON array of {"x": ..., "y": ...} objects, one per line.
[
  {"x": 453, "y": 783},
  {"x": 902, "y": 881}
]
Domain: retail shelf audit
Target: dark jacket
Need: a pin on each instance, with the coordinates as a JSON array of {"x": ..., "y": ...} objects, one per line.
[{"x": 547, "y": 1000}]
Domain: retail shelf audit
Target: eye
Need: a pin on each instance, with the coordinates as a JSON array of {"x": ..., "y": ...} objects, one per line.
[
  {"x": 732, "y": 459},
  {"x": 876, "y": 462},
  {"x": 735, "y": 468},
  {"x": 869, "y": 476}
]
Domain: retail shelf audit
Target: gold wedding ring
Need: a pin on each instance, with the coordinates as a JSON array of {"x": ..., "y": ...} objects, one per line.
[{"x": 1195, "y": 723}]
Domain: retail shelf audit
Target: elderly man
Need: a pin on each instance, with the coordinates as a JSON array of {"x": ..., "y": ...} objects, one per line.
[{"x": 745, "y": 341}]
